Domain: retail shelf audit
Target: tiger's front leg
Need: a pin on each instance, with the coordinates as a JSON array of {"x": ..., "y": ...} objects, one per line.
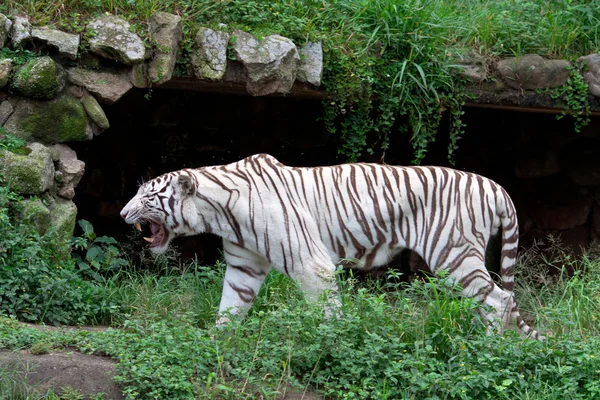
[{"x": 246, "y": 272}]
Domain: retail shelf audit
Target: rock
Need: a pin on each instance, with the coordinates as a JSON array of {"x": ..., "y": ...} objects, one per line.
[
  {"x": 40, "y": 78},
  {"x": 138, "y": 76},
  {"x": 108, "y": 87},
  {"x": 470, "y": 66},
  {"x": 37, "y": 214},
  {"x": 311, "y": 64},
  {"x": 165, "y": 30},
  {"x": 235, "y": 72},
  {"x": 536, "y": 162},
  {"x": 66, "y": 43},
  {"x": 5, "y": 25},
  {"x": 209, "y": 58},
  {"x": 271, "y": 63},
  {"x": 579, "y": 161},
  {"x": 20, "y": 31},
  {"x": 70, "y": 169},
  {"x": 94, "y": 111},
  {"x": 30, "y": 174},
  {"x": 62, "y": 119},
  {"x": 557, "y": 204},
  {"x": 63, "y": 215},
  {"x": 533, "y": 72},
  {"x": 6, "y": 67},
  {"x": 595, "y": 224},
  {"x": 111, "y": 38},
  {"x": 6, "y": 109},
  {"x": 592, "y": 75},
  {"x": 576, "y": 239}
]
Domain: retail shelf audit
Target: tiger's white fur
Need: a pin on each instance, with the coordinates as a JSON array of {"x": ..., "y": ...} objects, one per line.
[{"x": 303, "y": 221}]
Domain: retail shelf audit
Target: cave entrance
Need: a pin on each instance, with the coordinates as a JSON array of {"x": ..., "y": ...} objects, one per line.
[{"x": 551, "y": 172}]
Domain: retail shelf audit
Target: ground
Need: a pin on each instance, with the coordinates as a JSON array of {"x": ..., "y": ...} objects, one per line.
[{"x": 86, "y": 373}]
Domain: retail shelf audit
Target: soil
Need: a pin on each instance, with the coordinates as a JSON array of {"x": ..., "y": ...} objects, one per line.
[{"x": 86, "y": 373}]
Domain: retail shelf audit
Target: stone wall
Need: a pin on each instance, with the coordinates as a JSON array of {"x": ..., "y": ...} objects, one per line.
[{"x": 58, "y": 98}]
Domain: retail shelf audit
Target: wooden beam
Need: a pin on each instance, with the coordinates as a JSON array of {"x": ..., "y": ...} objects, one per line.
[
  {"x": 299, "y": 90},
  {"x": 539, "y": 110},
  {"x": 308, "y": 92}
]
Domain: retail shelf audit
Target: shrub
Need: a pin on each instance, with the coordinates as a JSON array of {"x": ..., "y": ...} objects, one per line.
[{"x": 38, "y": 285}]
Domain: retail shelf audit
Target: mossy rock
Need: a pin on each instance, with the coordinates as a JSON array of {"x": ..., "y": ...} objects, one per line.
[
  {"x": 94, "y": 111},
  {"x": 28, "y": 174},
  {"x": 60, "y": 120},
  {"x": 40, "y": 78},
  {"x": 63, "y": 215},
  {"x": 35, "y": 213},
  {"x": 6, "y": 67}
]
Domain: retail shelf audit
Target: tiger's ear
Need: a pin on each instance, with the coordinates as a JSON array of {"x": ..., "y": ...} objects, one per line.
[{"x": 185, "y": 184}]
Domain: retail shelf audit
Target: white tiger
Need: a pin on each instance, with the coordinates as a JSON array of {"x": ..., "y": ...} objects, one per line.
[{"x": 303, "y": 221}]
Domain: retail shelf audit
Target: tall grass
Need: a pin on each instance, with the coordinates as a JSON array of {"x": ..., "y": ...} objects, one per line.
[{"x": 497, "y": 27}]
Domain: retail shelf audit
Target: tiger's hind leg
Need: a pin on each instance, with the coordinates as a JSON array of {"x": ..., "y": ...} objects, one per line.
[
  {"x": 501, "y": 304},
  {"x": 316, "y": 277},
  {"x": 245, "y": 274},
  {"x": 477, "y": 283}
]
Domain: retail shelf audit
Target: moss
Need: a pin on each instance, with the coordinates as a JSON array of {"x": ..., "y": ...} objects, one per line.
[
  {"x": 36, "y": 214},
  {"x": 138, "y": 76},
  {"x": 5, "y": 71},
  {"x": 61, "y": 120},
  {"x": 63, "y": 217},
  {"x": 95, "y": 112},
  {"x": 31, "y": 174},
  {"x": 40, "y": 78}
]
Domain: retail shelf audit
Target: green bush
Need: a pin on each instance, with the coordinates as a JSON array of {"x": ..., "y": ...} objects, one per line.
[{"x": 38, "y": 285}]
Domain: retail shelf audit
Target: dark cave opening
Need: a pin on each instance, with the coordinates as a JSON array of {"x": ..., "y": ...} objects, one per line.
[{"x": 537, "y": 158}]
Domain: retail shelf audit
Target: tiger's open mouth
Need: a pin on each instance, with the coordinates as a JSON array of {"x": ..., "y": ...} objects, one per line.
[{"x": 159, "y": 236}]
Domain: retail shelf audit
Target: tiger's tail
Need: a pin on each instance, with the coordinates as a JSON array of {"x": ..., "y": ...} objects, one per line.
[{"x": 510, "y": 243}]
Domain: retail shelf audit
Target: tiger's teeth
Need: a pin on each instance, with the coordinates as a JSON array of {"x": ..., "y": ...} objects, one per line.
[
  {"x": 149, "y": 240},
  {"x": 138, "y": 226}
]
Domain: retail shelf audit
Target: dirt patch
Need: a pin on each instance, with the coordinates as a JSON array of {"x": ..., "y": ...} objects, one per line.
[{"x": 87, "y": 373}]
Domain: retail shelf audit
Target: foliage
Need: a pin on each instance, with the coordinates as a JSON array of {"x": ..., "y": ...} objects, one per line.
[
  {"x": 101, "y": 254},
  {"x": 10, "y": 142},
  {"x": 388, "y": 64},
  {"x": 392, "y": 341},
  {"x": 19, "y": 57},
  {"x": 38, "y": 285},
  {"x": 575, "y": 95}
]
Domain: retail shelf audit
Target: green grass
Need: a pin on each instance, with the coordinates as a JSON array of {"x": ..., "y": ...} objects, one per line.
[{"x": 389, "y": 64}]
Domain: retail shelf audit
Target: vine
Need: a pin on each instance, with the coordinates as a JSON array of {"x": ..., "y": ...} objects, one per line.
[{"x": 575, "y": 95}]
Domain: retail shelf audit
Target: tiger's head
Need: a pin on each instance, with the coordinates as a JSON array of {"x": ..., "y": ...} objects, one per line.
[{"x": 166, "y": 205}]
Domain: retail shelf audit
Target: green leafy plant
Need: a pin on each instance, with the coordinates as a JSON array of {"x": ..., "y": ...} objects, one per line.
[
  {"x": 10, "y": 142},
  {"x": 18, "y": 56},
  {"x": 575, "y": 95},
  {"x": 36, "y": 283},
  {"x": 101, "y": 256}
]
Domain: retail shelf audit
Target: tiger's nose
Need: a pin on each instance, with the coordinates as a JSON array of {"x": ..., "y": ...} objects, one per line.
[{"x": 123, "y": 213}]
